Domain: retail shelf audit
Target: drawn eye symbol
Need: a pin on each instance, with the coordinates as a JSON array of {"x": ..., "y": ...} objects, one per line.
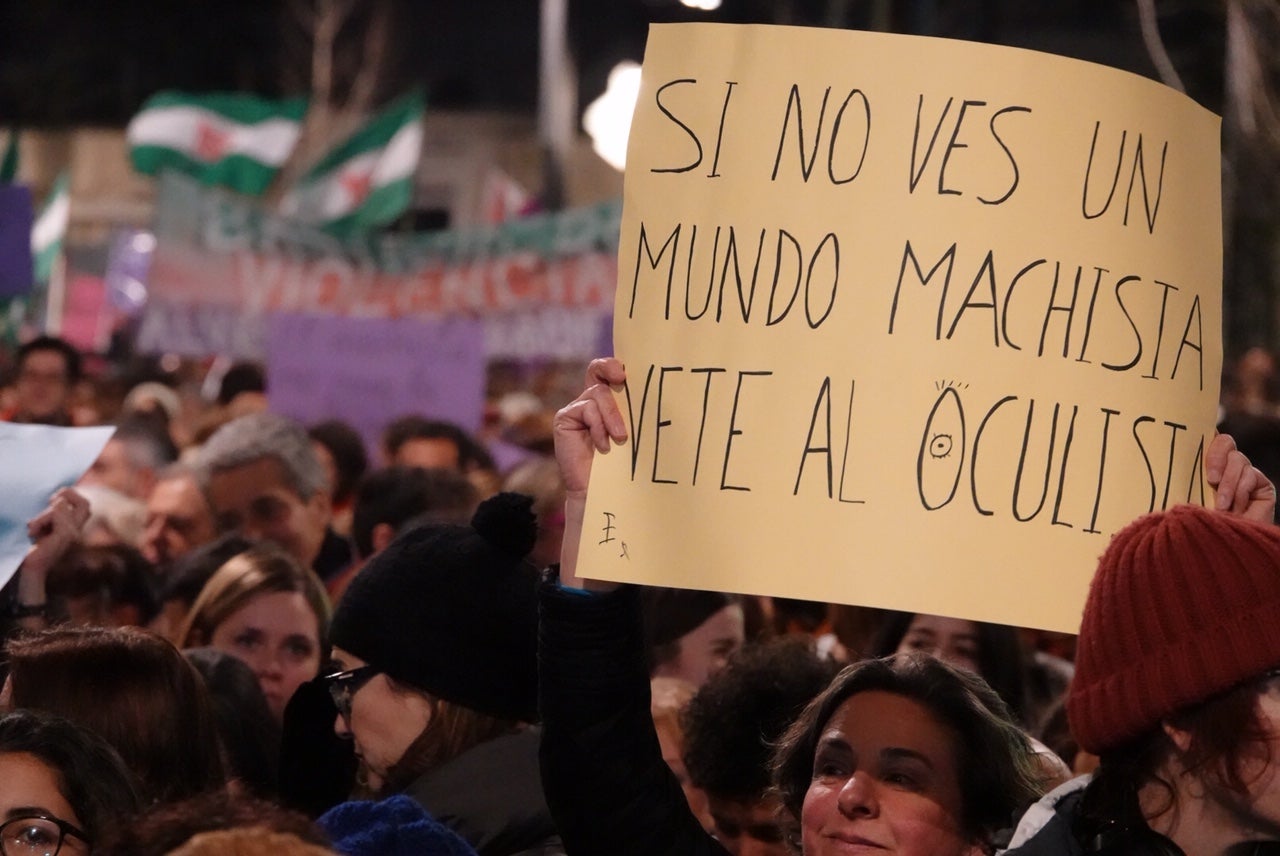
[
  {"x": 940, "y": 445},
  {"x": 943, "y": 437}
]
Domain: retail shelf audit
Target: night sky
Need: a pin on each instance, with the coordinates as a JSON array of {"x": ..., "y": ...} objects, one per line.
[{"x": 69, "y": 62}]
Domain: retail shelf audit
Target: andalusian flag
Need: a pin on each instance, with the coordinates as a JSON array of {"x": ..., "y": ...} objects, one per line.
[
  {"x": 366, "y": 181},
  {"x": 232, "y": 140},
  {"x": 50, "y": 228}
]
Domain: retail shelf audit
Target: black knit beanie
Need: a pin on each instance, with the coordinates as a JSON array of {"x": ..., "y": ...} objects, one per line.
[{"x": 452, "y": 610}]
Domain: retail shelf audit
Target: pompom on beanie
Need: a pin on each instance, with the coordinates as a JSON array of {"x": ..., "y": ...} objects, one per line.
[
  {"x": 1183, "y": 607},
  {"x": 453, "y": 611}
]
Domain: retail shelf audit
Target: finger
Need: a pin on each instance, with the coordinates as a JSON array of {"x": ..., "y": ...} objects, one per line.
[
  {"x": 610, "y": 414},
  {"x": 1215, "y": 457},
  {"x": 1229, "y": 487},
  {"x": 595, "y": 422},
  {"x": 1262, "y": 508},
  {"x": 605, "y": 370},
  {"x": 40, "y": 525},
  {"x": 1253, "y": 487},
  {"x": 583, "y": 414}
]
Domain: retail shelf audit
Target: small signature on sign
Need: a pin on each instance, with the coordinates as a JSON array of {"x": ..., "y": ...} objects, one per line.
[{"x": 608, "y": 531}]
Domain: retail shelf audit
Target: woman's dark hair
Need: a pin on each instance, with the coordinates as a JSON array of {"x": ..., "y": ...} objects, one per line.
[
  {"x": 192, "y": 570},
  {"x": 452, "y": 730},
  {"x": 166, "y": 827},
  {"x": 249, "y": 733},
  {"x": 993, "y": 758},
  {"x": 346, "y": 447},
  {"x": 134, "y": 689},
  {"x": 736, "y": 717},
  {"x": 91, "y": 776},
  {"x": 241, "y": 377},
  {"x": 110, "y": 576},
  {"x": 1225, "y": 732},
  {"x": 1002, "y": 658}
]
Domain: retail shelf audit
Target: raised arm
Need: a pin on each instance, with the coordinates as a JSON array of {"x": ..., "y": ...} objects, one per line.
[
  {"x": 52, "y": 532},
  {"x": 608, "y": 788},
  {"x": 591, "y": 423}
]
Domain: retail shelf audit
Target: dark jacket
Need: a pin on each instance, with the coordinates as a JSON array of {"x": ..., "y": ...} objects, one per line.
[
  {"x": 609, "y": 790},
  {"x": 1045, "y": 829},
  {"x": 491, "y": 795}
]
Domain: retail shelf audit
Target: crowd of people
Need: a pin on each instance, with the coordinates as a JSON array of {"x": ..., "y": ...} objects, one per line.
[{"x": 242, "y": 634}]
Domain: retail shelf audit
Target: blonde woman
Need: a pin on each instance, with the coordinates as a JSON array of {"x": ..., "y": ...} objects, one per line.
[{"x": 266, "y": 609}]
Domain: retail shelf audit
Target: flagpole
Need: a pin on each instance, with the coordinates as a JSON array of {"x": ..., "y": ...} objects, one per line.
[
  {"x": 557, "y": 99},
  {"x": 55, "y": 298}
]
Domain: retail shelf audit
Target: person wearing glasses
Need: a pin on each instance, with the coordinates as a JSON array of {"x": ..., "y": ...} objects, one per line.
[
  {"x": 61, "y": 787},
  {"x": 48, "y": 369},
  {"x": 435, "y": 677},
  {"x": 1177, "y": 690}
]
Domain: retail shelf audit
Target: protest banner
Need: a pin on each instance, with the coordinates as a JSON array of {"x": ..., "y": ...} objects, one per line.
[
  {"x": 222, "y": 266},
  {"x": 368, "y": 371},
  {"x": 907, "y": 322}
]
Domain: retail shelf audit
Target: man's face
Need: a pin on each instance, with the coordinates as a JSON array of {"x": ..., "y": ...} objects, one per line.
[
  {"x": 748, "y": 828},
  {"x": 113, "y": 469},
  {"x": 43, "y": 387},
  {"x": 178, "y": 520},
  {"x": 257, "y": 500},
  {"x": 428, "y": 453}
]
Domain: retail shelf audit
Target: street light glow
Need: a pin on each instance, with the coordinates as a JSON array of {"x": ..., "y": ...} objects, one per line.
[{"x": 608, "y": 118}]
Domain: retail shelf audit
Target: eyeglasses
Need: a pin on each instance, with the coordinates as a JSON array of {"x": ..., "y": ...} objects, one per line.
[
  {"x": 36, "y": 835},
  {"x": 344, "y": 685}
]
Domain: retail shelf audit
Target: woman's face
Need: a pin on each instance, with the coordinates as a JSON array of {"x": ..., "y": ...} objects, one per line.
[
  {"x": 384, "y": 720},
  {"x": 277, "y": 635},
  {"x": 953, "y": 640},
  {"x": 29, "y": 787},
  {"x": 704, "y": 650},
  {"x": 1260, "y": 768},
  {"x": 885, "y": 782}
]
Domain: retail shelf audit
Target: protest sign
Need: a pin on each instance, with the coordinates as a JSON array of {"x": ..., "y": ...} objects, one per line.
[
  {"x": 36, "y": 461},
  {"x": 15, "y": 240},
  {"x": 222, "y": 265},
  {"x": 368, "y": 371},
  {"x": 907, "y": 322}
]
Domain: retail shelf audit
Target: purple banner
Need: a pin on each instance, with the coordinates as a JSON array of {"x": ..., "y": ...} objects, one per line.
[
  {"x": 16, "y": 269},
  {"x": 368, "y": 371}
]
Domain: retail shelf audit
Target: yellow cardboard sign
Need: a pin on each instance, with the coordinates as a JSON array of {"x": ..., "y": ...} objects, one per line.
[{"x": 907, "y": 322}]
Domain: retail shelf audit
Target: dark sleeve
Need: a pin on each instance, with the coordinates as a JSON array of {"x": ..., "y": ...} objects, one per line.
[{"x": 609, "y": 790}]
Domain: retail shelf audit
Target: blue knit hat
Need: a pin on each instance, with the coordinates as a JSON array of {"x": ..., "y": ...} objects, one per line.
[{"x": 397, "y": 826}]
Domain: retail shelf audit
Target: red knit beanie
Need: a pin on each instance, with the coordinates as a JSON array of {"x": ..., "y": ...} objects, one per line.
[{"x": 1184, "y": 606}]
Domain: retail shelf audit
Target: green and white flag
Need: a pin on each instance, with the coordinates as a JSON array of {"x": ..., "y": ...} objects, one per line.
[
  {"x": 50, "y": 228},
  {"x": 366, "y": 181},
  {"x": 233, "y": 140}
]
